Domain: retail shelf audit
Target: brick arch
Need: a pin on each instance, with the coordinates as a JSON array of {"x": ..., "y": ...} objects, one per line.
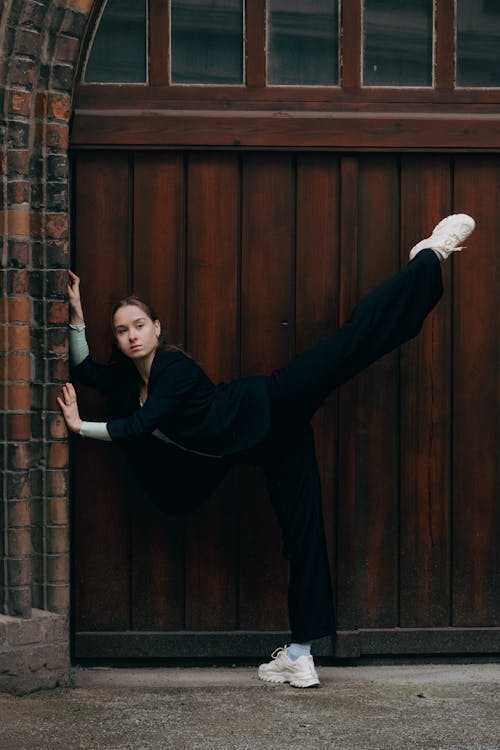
[{"x": 40, "y": 43}]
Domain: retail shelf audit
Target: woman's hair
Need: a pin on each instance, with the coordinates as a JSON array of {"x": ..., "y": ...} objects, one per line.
[{"x": 133, "y": 299}]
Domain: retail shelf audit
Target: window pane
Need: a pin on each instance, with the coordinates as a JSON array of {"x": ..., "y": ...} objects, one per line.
[
  {"x": 119, "y": 49},
  {"x": 478, "y": 43},
  {"x": 397, "y": 43},
  {"x": 303, "y": 42},
  {"x": 207, "y": 41}
]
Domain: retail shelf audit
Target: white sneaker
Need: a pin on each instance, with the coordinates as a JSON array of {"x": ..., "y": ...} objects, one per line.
[
  {"x": 447, "y": 236},
  {"x": 299, "y": 673}
]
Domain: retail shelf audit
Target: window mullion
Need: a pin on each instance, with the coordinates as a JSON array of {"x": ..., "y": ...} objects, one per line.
[
  {"x": 255, "y": 36},
  {"x": 444, "y": 45},
  {"x": 351, "y": 34},
  {"x": 159, "y": 42}
]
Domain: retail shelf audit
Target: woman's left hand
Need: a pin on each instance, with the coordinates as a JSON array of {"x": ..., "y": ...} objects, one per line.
[{"x": 69, "y": 407}]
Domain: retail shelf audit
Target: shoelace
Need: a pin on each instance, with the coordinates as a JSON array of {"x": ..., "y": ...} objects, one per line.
[
  {"x": 278, "y": 651},
  {"x": 451, "y": 242}
]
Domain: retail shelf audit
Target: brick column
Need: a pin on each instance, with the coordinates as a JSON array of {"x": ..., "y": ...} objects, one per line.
[{"x": 39, "y": 46}]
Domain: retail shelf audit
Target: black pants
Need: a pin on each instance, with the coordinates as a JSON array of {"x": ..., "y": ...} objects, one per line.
[{"x": 390, "y": 315}]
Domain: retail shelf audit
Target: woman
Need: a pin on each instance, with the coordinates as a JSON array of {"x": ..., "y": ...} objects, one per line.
[{"x": 165, "y": 408}]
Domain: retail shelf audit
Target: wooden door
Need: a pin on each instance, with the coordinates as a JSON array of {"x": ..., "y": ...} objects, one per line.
[{"x": 249, "y": 258}]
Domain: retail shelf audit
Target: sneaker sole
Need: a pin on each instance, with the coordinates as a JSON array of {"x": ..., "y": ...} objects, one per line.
[{"x": 277, "y": 680}]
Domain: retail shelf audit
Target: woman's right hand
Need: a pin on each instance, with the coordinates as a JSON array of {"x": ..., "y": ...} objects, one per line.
[{"x": 74, "y": 299}]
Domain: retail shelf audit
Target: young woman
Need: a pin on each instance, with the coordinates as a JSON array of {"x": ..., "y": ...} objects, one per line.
[{"x": 182, "y": 433}]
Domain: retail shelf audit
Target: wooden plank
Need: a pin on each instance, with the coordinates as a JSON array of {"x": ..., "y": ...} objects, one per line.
[
  {"x": 425, "y": 415},
  {"x": 317, "y": 262},
  {"x": 157, "y": 540},
  {"x": 102, "y": 96},
  {"x": 267, "y": 326},
  {"x": 213, "y": 229},
  {"x": 347, "y": 583},
  {"x": 476, "y": 433},
  {"x": 396, "y": 130},
  {"x": 376, "y": 426},
  {"x": 100, "y": 523}
]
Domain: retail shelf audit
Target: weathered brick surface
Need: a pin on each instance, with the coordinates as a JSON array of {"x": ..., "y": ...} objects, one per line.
[
  {"x": 39, "y": 48},
  {"x": 34, "y": 652}
]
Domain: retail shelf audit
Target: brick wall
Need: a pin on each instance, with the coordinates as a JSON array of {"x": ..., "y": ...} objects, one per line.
[{"x": 40, "y": 43}]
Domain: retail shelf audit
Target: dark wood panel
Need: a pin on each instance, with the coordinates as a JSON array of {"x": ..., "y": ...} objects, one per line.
[
  {"x": 476, "y": 434},
  {"x": 398, "y": 130},
  {"x": 100, "y": 524},
  {"x": 267, "y": 325},
  {"x": 213, "y": 238},
  {"x": 425, "y": 415},
  {"x": 347, "y": 583},
  {"x": 317, "y": 263},
  {"x": 157, "y": 540},
  {"x": 377, "y": 419},
  {"x": 371, "y": 101},
  {"x": 159, "y": 238}
]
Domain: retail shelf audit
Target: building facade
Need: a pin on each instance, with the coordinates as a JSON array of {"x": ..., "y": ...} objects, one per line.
[{"x": 241, "y": 168}]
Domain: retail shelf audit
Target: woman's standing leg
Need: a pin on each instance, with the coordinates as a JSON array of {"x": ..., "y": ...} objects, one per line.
[{"x": 289, "y": 462}]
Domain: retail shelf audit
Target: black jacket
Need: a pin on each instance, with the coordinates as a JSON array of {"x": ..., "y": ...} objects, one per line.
[{"x": 182, "y": 403}]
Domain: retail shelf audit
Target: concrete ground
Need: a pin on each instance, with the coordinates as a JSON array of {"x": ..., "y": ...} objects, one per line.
[{"x": 426, "y": 707}]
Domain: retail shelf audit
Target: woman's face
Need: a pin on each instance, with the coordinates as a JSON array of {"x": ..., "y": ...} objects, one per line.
[{"x": 136, "y": 334}]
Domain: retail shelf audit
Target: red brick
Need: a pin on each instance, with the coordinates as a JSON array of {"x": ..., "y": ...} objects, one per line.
[
  {"x": 57, "y": 426},
  {"x": 18, "y": 513},
  {"x": 57, "y": 136},
  {"x": 18, "y": 282},
  {"x": 19, "y": 571},
  {"x": 20, "y": 103},
  {"x": 82, "y": 6},
  {"x": 56, "y": 226},
  {"x": 57, "y": 312},
  {"x": 20, "y": 456},
  {"x": 57, "y": 539},
  {"x": 58, "y": 370},
  {"x": 19, "y": 542},
  {"x": 18, "y": 338},
  {"x": 58, "y": 598},
  {"x": 18, "y": 397},
  {"x": 53, "y": 391},
  {"x": 28, "y": 42},
  {"x": 18, "y": 162},
  {"x": 19, "y": 367},
  {"x": 57, "y": 483},
  {"x": 57, "y": 568},
  {"x": 18, "y": 191},
  {"x": 59, "y": 106},
  {"x": 18, "y": 310},
  {"x": 58, "y": 455},
  {"x": 19, "y": 252},
  {"x": 57, "y": 511},
  {"x": 19, "y": 426}
]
